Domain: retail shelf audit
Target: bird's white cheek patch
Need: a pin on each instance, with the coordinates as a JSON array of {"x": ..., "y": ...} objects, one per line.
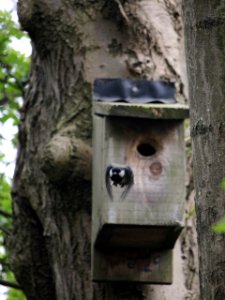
[
  {"x": 110, "y": 173},
  {"x": 122, "y": 173}
]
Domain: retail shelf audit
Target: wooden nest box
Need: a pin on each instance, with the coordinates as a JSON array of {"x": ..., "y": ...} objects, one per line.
[{"x": 138, "y": 189}]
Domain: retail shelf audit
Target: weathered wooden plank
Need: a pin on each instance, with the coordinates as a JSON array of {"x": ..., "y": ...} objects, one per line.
[
  {"x": 149, "y": 111},
  {"x": 154, "y": 150},
  {"x": 141, "y": 236}
]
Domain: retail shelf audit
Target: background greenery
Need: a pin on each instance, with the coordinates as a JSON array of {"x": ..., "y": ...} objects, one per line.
[{"x": 14, "y": 69}]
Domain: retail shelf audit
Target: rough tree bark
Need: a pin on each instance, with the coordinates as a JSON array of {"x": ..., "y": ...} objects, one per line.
[
  {"x": 74, "y": 42},
  {"x": 205, "y": 29}
]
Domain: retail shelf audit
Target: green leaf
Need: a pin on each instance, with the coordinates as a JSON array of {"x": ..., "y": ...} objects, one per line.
[
  {"x": 219, "y": 227},
  {"x": 16, "y": 295},
  {"x": 222, "y": 184}
]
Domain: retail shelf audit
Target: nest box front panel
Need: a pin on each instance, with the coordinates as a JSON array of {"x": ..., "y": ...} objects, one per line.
[{"x": 153, "y": 152}]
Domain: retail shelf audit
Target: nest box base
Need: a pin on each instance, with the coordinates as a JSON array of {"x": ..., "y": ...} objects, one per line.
[{"x": 133, "y": 265}]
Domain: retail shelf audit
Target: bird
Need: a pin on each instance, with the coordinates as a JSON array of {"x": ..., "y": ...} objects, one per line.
[{"x": 119, "y": 176}]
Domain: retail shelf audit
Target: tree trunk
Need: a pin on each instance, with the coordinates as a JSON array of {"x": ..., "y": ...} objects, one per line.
[
  {"x": 205, "y": 29},
  {"x": 75, "y": 42}
]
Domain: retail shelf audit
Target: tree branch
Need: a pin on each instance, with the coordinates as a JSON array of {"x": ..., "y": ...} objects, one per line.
[
  {"x": 10, "y": 284},
  {"x": 5, "y": 214},
  {"x": 65, "y": 156},
  {"x": 5, "y": 230}
]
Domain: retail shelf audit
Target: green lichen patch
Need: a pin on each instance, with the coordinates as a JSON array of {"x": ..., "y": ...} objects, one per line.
[{"x": 149, "y": 111}]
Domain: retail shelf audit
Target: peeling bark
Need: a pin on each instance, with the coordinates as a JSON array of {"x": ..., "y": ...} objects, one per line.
[{"x": 74, "y": 42}]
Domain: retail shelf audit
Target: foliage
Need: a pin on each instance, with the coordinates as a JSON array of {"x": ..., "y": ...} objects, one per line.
[
  {"x": 222, "y": 184},
  {"x": 219, "y": 227},
  {"x": 14, "y": 68}
]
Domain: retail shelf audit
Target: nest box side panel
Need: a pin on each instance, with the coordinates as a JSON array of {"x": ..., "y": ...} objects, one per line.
[
  {"x": 97, "y": 174},
  {"x": 154, "y": 150}
]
